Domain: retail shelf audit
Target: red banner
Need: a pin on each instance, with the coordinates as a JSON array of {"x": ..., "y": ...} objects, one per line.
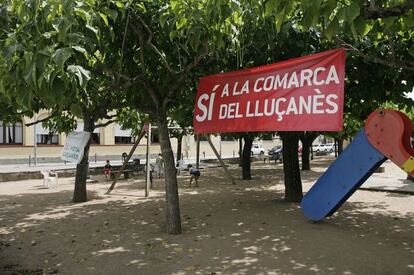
[{"x": 301, "y": 94}]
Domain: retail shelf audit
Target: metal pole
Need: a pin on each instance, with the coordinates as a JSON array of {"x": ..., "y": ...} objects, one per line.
[
  {"x": 147, "y": 180},
  {"x": 198, "y": 152},
  {"x": 35, "y": 142},
  {"x": 220, "y": 145},
  {"x": 240, "y": 151}
]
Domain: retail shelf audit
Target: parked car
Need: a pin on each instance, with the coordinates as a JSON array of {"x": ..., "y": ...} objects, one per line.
[
  {"x": 327, "y": 148},
  {"x": 317, "y": 147},
  {"x": 276, "y": 153},
  {"x": 257, "y": 149},
  {"x": 330, "y": 147}
]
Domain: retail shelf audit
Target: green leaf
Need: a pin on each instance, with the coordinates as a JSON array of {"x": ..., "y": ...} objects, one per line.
[
  {"x": 58, "y": 89},
  {"x": 310, "y": 17},
  {"x": 76, "y": 110},
  {"x": 332, "y": 29},
  {"x": 353, "y": 31},
  {"x": 361, "y": 25},
  {"x": 352, "y": 12},
  {"x": 180, "y": 23},
  {"x": 81, "y": 50},
  {"x": 389, "y": 21},
  {"x": 163, "y": 19},
  {"x": 93, "y": 29},
  {"x": 104, "y": 18},
  {"x": 24, "y": 97},
  {"x": 328, "y": 7},
  {"x": 74, "y": 38},
  {"x": 173, "y": 4},
  {"x": 61, "y": 55},
  {"x": 82, "y": 74},
  {"x": 113, "y": 14},
  {"x": 119, "y": 4},
  {"x": 2, "y": 88},
  {"x": 280, "y": 19},
  {"x": 83, "y": 14},
  {"x": 29, "y": 75},
  {"x": 409, "y": 20},
  {"x": 173, "y": 34},
  {"x": 349, "y": 13},
  {"x": 270, "y": 6},
  {"x": 62, "y": 25}
]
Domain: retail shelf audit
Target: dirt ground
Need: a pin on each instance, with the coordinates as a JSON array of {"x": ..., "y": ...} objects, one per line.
[{"x": 227, "y": 229}]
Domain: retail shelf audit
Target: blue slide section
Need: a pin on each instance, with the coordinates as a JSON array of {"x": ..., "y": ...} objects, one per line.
[{"x": 349, "y": 171}]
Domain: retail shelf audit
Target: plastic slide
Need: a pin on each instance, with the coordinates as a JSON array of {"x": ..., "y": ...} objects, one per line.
[{"x": 386, "y": 135}]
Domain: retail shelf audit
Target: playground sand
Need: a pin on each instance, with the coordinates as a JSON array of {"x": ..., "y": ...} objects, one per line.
[{"x": 227, "y": 229}]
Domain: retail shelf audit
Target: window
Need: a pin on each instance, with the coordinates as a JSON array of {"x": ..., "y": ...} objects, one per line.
[
  {"x": 11, "y": 133},
  {"x": 122, "y": 136},
  {"x": 47, "y": 139},
  {"x": 124, "y": 140},
  {"x": 154, "y": 136},
  {"x": 45, "y": 136}
]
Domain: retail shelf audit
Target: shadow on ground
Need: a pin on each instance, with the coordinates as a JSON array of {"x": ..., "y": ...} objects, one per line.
[{"x": 242, "y": 229}]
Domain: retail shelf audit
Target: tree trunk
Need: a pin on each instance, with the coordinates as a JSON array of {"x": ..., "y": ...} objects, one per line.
[
  {"x": 307, "y": 139},
  {"x": 80, "y": 194},
  {"x": 171, "y": 187},
  {"x": 293, "y": 183},
  {"x": 240, "y": 152},
  {"x": 246, "y": 158},
  {"x": 340, "y": 142},
  {"x": 179, "y": 147}
]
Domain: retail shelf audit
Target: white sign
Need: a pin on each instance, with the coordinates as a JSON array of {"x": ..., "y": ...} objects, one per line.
[{"x": 75, "y": 146}]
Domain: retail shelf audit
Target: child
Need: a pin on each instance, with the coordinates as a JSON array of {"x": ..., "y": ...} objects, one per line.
[
  {"x": 107, "y": 169},
  {"x": 195, "y": 174}
]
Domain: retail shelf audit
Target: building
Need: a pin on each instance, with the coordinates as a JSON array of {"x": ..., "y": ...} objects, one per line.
[{"x": 17, "y": 142}]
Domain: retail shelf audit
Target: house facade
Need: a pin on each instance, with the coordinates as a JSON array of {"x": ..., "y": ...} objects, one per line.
[{"x": 18, "y": 141}]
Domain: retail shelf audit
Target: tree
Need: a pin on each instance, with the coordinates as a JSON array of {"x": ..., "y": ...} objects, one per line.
[
  {"x": 388, "y": 38},
  {"x": 181, "y": 116},
  {"x": 246, "y": 155},
  {"x": 307, "y": 139},
  {"x": 164, "y": 43},
  {"x": 55, "y": 56},
  {"x": 388, "y": 22},
  {"x": 293, "y": 182}
]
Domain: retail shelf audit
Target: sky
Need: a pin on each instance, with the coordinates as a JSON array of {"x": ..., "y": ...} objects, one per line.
[{"x": 411, "y": 94}]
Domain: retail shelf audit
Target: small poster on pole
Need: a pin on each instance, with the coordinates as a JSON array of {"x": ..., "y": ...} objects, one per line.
[{"x": 75, "y": 146}]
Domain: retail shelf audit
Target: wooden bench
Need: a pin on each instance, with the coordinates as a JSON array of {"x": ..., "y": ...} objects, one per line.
[{"x": 125, "y": 173}]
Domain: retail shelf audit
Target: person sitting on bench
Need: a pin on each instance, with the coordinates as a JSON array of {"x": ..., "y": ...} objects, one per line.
[
  {"x": 107, "y": 169},
  {"x": 195, "y": 174}
]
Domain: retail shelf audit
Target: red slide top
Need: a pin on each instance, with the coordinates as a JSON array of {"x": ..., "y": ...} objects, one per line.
[{"x": 389, "y": 132}]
